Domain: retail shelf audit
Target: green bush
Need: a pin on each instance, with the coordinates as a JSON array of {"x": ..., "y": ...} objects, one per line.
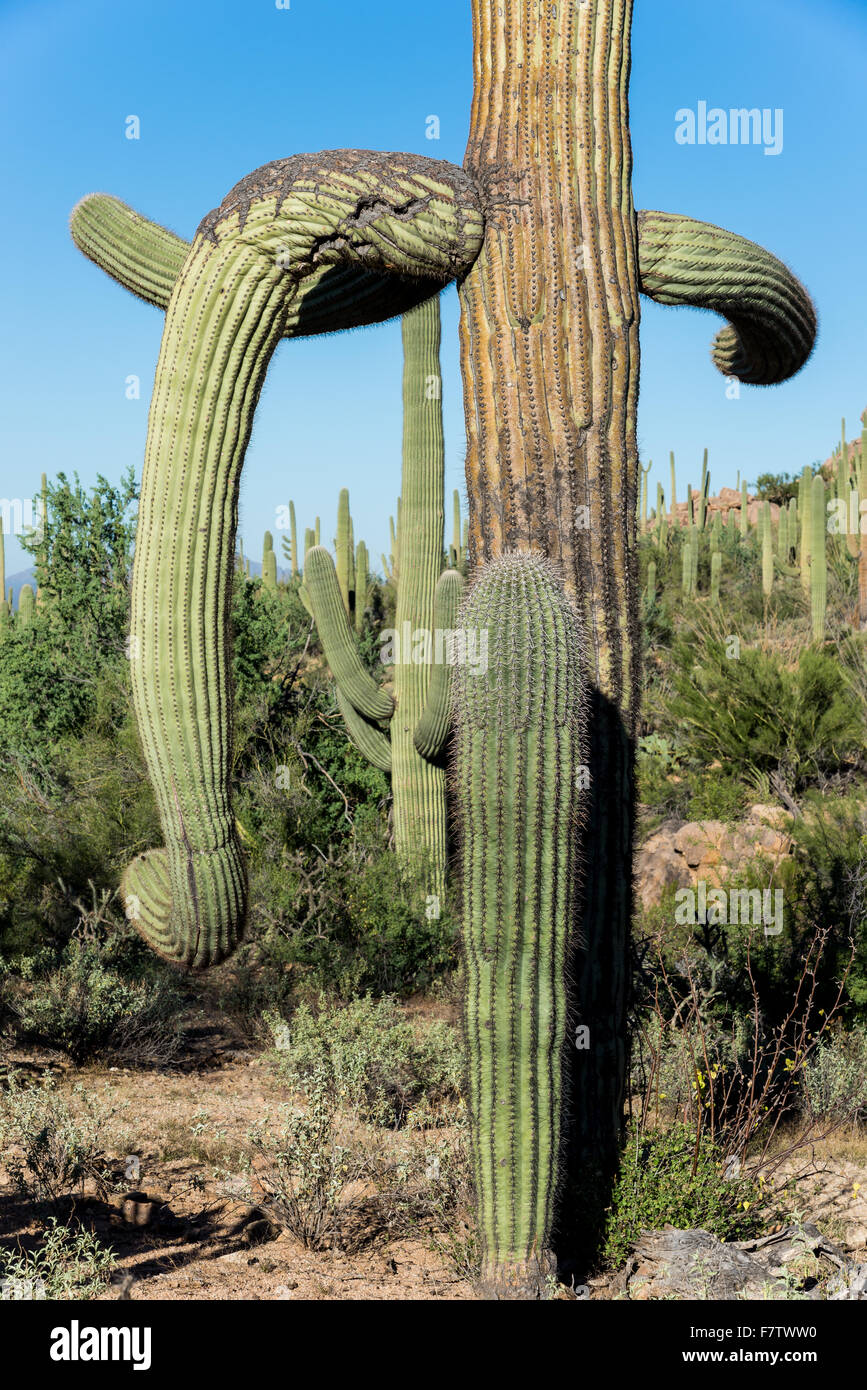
[
  {"x": 85, "y": 1008},
  {"x": 666, "y": 1178},
  {"x": 386, "y": 1069},
  {"x": 52, "y": 1145},
  {"x": 69, "y": 1264},
  {"x": 835, "y": 1078}
]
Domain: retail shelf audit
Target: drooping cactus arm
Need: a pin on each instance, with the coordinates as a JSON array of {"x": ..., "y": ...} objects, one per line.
[
  {"x": 146, "y": 258},
  {"x": 772, "y": 322},
  {"x": 401, "y": 215},
  {"x": 368, "y": 738}
]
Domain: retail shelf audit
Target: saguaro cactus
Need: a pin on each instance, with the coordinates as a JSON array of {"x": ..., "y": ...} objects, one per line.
[
  {"x": 540, "y": 229},
  {"x": 519, "y": 743},
  {"x": 818, "y": 557},
  {"x": 426, "y": 604}
]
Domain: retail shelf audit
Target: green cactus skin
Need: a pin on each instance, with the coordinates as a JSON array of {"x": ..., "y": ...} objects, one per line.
[
  {"x": 715, "y": 575},
  {"x": 772, "y": 322},
  {"x": 338, "y": 643},
  {"x": 673, "y": 487},
  {"x": 317, "y": 529},
  {"x": 456, "y": 529},
  {"x": 705, "y": 490},
  {"x": 227, "y": 312},
  {"x": 293, "y": 542},
  {"x": 431, "y": 732},
  {"x": 269, "y": 563},
  {"x": 343, "y": 547},
  {"x": 519, "y": 741},
  {"x": 650, "y": 590},
  {"x": 26, "y": 604},
  {"x": 418, "y": 784},
  {"x": 805, "y": 506},
  {"x": 744, "y": 518},
  {"x": 818, "y": 560},
  {"x": 367, "y": 737},
  {"x": 362, "y": 584},
  {"x": 767, "y": 550}
]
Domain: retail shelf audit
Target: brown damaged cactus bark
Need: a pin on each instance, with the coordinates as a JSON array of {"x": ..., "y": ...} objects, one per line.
[{"x": 540, "y": 232}]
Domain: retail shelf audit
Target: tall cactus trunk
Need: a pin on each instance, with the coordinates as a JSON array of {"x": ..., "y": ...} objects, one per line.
[
  {"x": 418, "y": 785},
  {"x": 550, "y": 360}
]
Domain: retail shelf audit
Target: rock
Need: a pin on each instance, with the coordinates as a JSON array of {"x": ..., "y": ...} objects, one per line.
[
  {"x": 659, "y": 866},
  {"x": 855, "y": 1237},
  {"x": 696, "y": 1265},
  {"x": 137, "y": 1208}
]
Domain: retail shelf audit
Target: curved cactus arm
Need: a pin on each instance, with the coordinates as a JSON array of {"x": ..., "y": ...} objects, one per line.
[
  {"x": 147, "y": 258},
  {"x": 338, "y": 643},
  {"x": 368, "y": 738},
  {"x": 519, "y": 736},
  {"x": 772, "y": 323},
  {"x": 400, "y": 215},
  {"x": 141, "y": 255},
  {"x": 432, "y": 730}
]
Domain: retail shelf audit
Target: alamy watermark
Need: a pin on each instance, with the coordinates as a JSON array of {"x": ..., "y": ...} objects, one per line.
[
  {"x": 444, "y": 646},
  {"x": 745, "y": 907},
  {"x": 735, "y": 126}
]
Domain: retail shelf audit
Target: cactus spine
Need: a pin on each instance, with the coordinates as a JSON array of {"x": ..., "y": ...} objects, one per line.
[{"x": 519, "y": 747}]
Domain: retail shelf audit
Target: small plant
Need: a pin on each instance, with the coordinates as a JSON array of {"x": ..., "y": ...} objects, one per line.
[
  {"x": 51, "y": 1147},
  {"x": 671, "y": 1176},
  {"x": 302, "y": 1167},
  {"x": 835, "y": 1078},
  {"x": 68, "y": 1265},
  {"x": 384, "y": 1068},
  {"x": 86, "y": 1008}
]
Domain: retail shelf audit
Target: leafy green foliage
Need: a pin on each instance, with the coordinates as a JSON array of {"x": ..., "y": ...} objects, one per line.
[
  {"x": 386, "y": 1069},
  {"x": 667, "y": 1176}
]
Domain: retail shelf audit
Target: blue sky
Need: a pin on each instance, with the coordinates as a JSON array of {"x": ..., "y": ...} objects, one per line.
[{"x": 221, "y": 86}]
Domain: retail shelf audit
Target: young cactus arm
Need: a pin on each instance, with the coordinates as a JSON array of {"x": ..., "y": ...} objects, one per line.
[
  {"x": 338, "y": 642},
  {"x": 432, "y": 729},
  {"x": 225, "y": 316},
  {"x": 772, "y": 323},
  {"x": 368, "y": 738},
  {"x": 428, "y": 197}
]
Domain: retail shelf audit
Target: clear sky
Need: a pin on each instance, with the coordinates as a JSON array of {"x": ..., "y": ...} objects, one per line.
[{"x": 222, "y": 86}]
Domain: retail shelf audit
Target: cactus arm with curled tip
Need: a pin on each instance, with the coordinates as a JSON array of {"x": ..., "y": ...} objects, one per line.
[
  {"x": 402, "y": 216},
  {"x": 772, "y": 325},
  {"x": 431, "y": 732},
  {"x": 519, "y": 739},
  {"x": 367, "y": 737}
]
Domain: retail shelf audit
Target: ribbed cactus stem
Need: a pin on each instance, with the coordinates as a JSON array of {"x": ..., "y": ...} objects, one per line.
[
  {"x": 418, "y": 786},
  {"x": 519, "y": 731},
  {"x": 362, "y": 584},
  {"x": 456, "y": 527},
  {"x": 650, "y": 590},
  {"x": 705, "y": 488},
  {"x": 767, "y": 550},
  {"x": 26, "y": 604},
  {"x": 818, "y": 561},
  {"x": 343, "y": 547},
  {"x": 293, "y": 541},
  {"x": 806, "y": 510},
  {"x": 269, "y": 563},
  {"x": 745, "y": 503},
  {"x": 715, "y": 574},
  {"x": 431, "y": 732},
  {"x": 338, "y": 643},
  {"x": 673, "y": 486}
]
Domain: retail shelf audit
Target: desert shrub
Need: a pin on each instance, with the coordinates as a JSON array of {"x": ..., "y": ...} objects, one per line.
[
  {"x": 835, "y": 1078},
  {"x": 69, "y": 1264},
  {"x": 302, "y": 1167},
  {"x": 51, "y": 1146},
  {"x": 385, "y": 1068},
  {"x": 667, "y": 1176},
  {"x": 754, "y": 712},
  {"x": 85, "y": 1008}
]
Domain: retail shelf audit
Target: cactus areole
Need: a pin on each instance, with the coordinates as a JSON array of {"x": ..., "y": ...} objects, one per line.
[{"x": 540, "y": 232}]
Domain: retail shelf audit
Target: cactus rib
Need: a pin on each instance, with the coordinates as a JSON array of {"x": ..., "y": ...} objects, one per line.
[
  {"x": 432, "y": 730},
  {"x": 338, "y": 643}
]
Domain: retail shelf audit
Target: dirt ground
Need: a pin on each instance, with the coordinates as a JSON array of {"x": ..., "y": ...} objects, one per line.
[{"x": 205, "y": 1237}]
